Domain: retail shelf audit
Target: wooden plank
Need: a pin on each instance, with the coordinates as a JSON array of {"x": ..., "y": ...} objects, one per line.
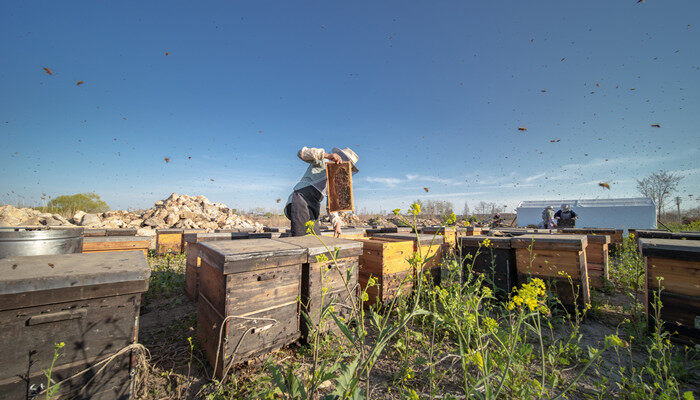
[
  {"x": 237, "y": 256},
  {"x": 680, "y": 277},
  {"x": 115, "y": 243},
  {"x": 339, "y": 188}
]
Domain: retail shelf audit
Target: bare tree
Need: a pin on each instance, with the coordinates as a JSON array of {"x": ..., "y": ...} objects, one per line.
[
  {"x": 658, "y": 186},
  {"x": 465, "y": 211}
]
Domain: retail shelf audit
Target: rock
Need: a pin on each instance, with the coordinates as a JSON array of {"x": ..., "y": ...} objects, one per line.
[
  {"x": 11, "y": 216},
  {"x": 172, "y": 219},
  {"x": 154, "y": 222},
  {"x": 32, "y": 221},
  {"x": 90, "y": 220},
  {"x": 52, "y": 222},
  {"x": 135, "y": 223}
]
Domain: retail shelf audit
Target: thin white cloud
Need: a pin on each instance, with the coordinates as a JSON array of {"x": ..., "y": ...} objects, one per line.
[
  {"x": 386, "y": 181},
  {"x": 534, "y": 177}
]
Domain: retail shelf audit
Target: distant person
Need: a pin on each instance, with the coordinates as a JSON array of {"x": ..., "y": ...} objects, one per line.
[
  {"x": 497, "y": 220},
  {"x": 548, "y": 221},
  {"x": 566, "y": 217},
  {"x": 304, "y": 204}
]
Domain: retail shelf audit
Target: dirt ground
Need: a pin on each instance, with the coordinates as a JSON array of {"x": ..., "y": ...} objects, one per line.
[{"x": 178, "y": 371}]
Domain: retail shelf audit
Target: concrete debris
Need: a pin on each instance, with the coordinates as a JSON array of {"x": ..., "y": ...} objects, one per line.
[{"x": 177, "y": 211}]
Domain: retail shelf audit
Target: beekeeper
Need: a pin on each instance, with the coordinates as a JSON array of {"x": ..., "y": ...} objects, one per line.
[{"x": 304, "y": 204}]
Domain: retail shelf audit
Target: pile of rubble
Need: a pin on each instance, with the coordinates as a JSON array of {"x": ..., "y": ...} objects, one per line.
[{"x": 177, "y": 211}]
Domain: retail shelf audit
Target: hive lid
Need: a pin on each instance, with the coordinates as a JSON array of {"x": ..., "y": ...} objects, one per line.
[
  {"x": 268, "y": 235},
  {"x": 121, "y": 232},
  {"x": 169, "y": 231},
  {"x": 425, "y": 239},
  {"x": 234, "y": 256},
  {"x": 101, "y": 239},
  {"x": 553, "y": 242},
  {"x": 498, "y": 242},
  {"x": 209, "y": 237},
  {"x": 381, "y": 229},
  {"x": 659, "y": 234},
  {"x": 677, "y": 249},
  {"x": 314, "y": 247},
  {"x": 584, "y": 231},
  {"x": 35, "y": 280},
  {"x": 94, "y": 232},
  {"x": 440, "y": 229}
]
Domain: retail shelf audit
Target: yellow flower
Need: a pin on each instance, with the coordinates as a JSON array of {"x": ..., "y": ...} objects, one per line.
[
  {"x": 365, "y": 296},
  {"x": 310, "y": 227},
  {"x": 321, "y": 258},
  {"x": 414, "y": 209},
  {"x": 397, "y": 211},
  {"x": 486, "y": 243}
]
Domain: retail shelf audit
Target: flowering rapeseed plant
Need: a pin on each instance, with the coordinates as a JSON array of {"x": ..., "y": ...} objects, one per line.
[
  {"x": 310, "y": 227},
  {"x": 531, "y": 295},
  {"x": 486, "y": 243}
]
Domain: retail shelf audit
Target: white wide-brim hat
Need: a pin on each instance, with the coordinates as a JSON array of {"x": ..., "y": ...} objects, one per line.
[{"x": 347, "y": 155}]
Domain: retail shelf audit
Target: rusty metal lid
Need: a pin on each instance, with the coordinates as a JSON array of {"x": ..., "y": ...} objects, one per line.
[
  {"x": 35, "y": 280},
  {"x": 235, "y": 256}
]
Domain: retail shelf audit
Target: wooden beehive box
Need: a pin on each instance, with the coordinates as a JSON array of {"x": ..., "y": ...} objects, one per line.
[
  {"x": 323, "y": 283},
  {"x": 615, "y": 234},
  {"x": 339, "y": 188},
  {"x": 193, "y": 260},
  {"x": 387, "y": 262},
  {"x": 597, "y": 260},
  {"x": 659, "y": 234},
  {"x": 431, "y": 247},
  {"x": 168, "y": 241},
  {"x": 96, "y": 244},
  {"x": 109, "y": 232},
  {"x": 552, "y": 254},
  {"x": 386, "y": 229},
  {"x": 469, "y": 231},
  {"x": 678, "y": 262},
  {"x": 183, "y": 248},
  {"x": 251, "y": 287},
  {"x": 90, "y": 302},
  {"x": 450, "y": 233},
  {"x": 496, "y": 262}
]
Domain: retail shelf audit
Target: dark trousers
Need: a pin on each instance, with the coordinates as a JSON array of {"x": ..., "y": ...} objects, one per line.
[{"x": 305, "y": 207}]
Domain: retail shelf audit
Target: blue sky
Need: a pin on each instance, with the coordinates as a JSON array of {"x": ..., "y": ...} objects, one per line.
[{"x": 429, "y": 94}]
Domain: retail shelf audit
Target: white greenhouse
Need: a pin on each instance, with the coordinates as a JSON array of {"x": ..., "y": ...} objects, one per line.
[{"x": 636, "y": 213}]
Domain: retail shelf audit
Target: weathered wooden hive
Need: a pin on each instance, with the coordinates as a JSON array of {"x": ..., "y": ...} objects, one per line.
[
  {"x": 449, "y": 233},
  {"x": 387, "y": 262},
  {"x": 430, "y": 248},
  {"x": 678, "y": 263},
  {"x": 90, "y": 302},
  {"x": 193, "y": 260},
  {"x": 471, "y": 230},
  {"x": 548, "y": 257},
  {"x": 496, "y": 262},
  {"x": 323, "y": 283},
  {"x": 597, "y": 260},
  {"x": 168, "y": 241},
  {"x": 98, "y": 244},
  {"x": 251, "y": 288},
  {"x": 615, "y": 234}
]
